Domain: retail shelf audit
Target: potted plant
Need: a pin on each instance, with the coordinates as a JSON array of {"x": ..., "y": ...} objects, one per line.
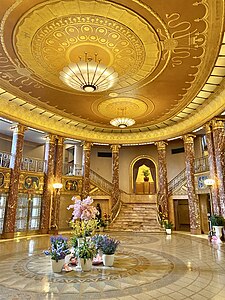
[
  {"x": 168, "y": 226},
  {"x": 58, "y": 250},
  {"x": 217, "y": 223},
  {"x": 108, "y": 247},
  {"x": 146, "y": 174},
  {"x": 83, "y": 220},
  {"x": 85, "y": 254}
]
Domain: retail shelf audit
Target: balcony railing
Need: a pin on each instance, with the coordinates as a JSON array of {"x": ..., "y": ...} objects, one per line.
[
  {"x": 72, "y": 169},
  {"x": 32, "y": 164},
  {"x": 5, "y": 159}
]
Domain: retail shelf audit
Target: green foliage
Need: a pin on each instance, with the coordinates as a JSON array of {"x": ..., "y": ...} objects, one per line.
[
  {"x": 146, "y": 172},
  {"x": 167, "y": 224},
  {"x": 217, "y": 220},
  {"x": 86, "y": 251}
]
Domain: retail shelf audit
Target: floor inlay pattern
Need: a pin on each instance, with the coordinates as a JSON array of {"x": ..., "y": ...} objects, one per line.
[{"x": 155, "y": 267}]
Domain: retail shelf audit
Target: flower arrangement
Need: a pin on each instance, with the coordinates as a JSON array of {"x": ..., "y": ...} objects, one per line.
[
  {"x": 84, "y": 214},
  {"x": 98, "y": 240},
  {"x": 86, "y": 250},
  {"x": 59, "y": 248},
  {"x": 109, "y": 245}
]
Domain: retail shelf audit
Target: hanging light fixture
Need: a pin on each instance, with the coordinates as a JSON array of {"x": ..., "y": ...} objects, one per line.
[
  {"x": 89, "y": 75},
  {"x": 122, "y": 121}
]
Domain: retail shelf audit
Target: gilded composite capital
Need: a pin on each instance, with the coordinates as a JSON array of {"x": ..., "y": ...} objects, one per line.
[
  {"x": 115, "y": 148},
  {"x": 189, "y": 138},
  {"x": 161, "y": 145},
  {"x": 87, "y": 146},
  {"x": 216, "y": 124},
  {"x": 18, "y": 128}
]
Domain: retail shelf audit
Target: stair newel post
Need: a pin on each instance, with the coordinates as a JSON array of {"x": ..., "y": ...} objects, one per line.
[
  {"x": 162, "y": 178},
  {"x": 115, "y": 174},
  {"x": 193, "y": 201},
  {"x": 86, "y": 168}
]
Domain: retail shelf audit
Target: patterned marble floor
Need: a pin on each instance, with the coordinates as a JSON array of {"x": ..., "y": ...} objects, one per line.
[{"x": 147, "y": 266}]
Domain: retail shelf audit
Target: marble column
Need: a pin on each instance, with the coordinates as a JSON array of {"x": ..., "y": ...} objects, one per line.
[
  {"x": 218, "y": 139},
  {"x": 212, "y": 169},
  {"x": 193, "y": 201},
  {"x": 57, "y": 179},
  {"x": 48, "y": 182},
  {"x": 15, "y": 163},
  {"x": 86, "y": 169},
  {"x": 115, "y": 173},
  {"x": 162, "y": 177}
]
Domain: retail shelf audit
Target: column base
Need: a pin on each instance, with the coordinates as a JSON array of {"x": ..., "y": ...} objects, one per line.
[
  {"x": 8, "y": 235},
  {"x": 196, "y": 231},
  {"x": 44, "y": 231},
  {"x": 53, "y": 231}
]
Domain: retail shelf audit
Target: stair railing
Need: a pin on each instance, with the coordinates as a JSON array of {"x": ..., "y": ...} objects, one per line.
[
  {"x": 200, "y": 165},
  {"x": 101, "y": 182}
]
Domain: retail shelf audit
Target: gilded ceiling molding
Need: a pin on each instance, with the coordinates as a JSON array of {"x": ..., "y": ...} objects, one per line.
[{"x": 17, "y": 113}]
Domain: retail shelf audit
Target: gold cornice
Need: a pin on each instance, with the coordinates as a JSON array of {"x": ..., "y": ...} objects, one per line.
[{"x": 214, "y": 106}]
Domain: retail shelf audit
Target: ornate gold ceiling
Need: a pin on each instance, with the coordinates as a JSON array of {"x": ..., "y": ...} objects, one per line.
[{"x": 169, "y": 56}]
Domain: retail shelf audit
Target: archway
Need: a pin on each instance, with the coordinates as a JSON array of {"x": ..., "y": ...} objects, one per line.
[{"x": 139, "y": 185}]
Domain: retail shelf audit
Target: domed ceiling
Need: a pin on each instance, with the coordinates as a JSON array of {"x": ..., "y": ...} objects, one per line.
[{"x": 169, "y": 56}]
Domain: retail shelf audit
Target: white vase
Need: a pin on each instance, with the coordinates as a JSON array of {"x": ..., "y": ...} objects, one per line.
[
  {"x": 108, "y": 259},
  {"x": 168, "y": 230},
  {"x": 218, "y": 231},
  {"x": 85, "y": 266},
  {"x": 57, "y": 265}
]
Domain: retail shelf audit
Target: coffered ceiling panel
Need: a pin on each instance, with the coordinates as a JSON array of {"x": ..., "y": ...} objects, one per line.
[{"x": 169, "y": 56}]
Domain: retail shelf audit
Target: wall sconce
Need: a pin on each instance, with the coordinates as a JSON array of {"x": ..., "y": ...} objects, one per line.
[{"x": 57, "y": 186}]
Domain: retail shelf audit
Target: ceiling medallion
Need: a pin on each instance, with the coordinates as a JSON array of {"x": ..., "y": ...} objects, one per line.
[
  {"x": 122, "y": 121},
  {"x": 89, "y": 75}
]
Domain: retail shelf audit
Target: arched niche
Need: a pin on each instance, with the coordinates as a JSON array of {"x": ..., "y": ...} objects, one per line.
[{"x": 138, "y": 185}]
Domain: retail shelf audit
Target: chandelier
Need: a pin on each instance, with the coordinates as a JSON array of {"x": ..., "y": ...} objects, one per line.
[
  {"x": 89, "y": 75},
  {"x": 122, "y": 121}
]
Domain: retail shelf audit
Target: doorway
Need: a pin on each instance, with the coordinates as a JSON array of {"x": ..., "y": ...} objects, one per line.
[
  {"x": 28, "y": 213},
  {"x": 181, "y": 212}
]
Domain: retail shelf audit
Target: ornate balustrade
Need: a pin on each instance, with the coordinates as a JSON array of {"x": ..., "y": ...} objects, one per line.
[
  {"x": 5, "y": 159},
  {"x": 72, "y": 169},
  {"x": 32, "y": 164}
]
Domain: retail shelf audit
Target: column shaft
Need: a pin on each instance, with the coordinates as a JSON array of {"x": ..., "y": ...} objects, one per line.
[
  {"x": 162, "y": 177},
  {"x": 218, "y": 138},
  {"x": 115, "y": 173},
  {"x": 194, "y": 210},
  {"x": 15, "y": 163},
  {"x": 86, "y": 169},
  {"x": 212, "y": 169},
  {"x": 48, "y": 181},
  {"x": 57, "y": 179}
]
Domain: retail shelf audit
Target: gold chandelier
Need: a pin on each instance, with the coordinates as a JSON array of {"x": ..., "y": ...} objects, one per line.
[
  {"x": 122, "y": 121},
  {"x": 89, "y": 75}
]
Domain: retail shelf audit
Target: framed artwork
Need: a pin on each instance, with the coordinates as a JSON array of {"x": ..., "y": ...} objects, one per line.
[
  {"x": 71, "y": 185},
  {"x": 31, "y": 182},
  {"x": 1, "y": 179}
]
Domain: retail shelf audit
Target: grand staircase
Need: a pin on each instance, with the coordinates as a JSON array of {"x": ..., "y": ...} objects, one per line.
[{"x": 138, "y": 217}]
